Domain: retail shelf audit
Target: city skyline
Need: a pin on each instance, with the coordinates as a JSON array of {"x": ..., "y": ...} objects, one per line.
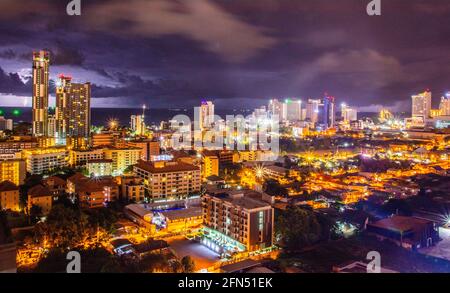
[{"x": 283, "y": 49}]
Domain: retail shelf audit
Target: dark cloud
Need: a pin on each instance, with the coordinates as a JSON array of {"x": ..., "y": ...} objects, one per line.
[
  {"x": 11, "y": 83},
  {"x": 177, "y": 52}
]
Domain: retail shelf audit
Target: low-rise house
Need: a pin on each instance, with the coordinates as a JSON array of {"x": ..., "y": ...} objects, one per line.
[
  {"x": 93, "y": 192},
  {"x": 56, "y": 185},
  {"x": 9, "y": 196},
  {"x": 40, "y": 196},
  {"x": 408, "y": 232}
]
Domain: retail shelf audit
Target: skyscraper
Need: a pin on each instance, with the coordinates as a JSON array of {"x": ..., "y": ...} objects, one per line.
[
  {"x": 73, "y": 112},
  {"x": 293, "y": 109},
  {"x": 312, "y": 110},
  {"x": 206, "y": 114},
  {"x": 421, "y": 106},
  {"x": 138, "y": 124},
  {"x": 348, "y": 114},
  {"x": 276, "y": 109},
  {"x": 41, "y": 62},
  {"x": 444, "y": 106},
  {"x": 327, "y": 115}
]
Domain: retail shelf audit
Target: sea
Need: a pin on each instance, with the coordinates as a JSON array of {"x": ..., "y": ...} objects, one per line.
[{"x": 101, "y": 116}]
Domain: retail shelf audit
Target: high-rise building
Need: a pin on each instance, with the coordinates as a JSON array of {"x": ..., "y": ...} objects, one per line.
[
  {"x": 73, "y": 112},
  {"x": 206, "y": 118},
  {"x": 138, "y": 124},
  {"x": 276, "y": 109},
  {"x": 169, "y": 179},
  {"x": 51, "y": 126},
  {"x": 312, "y": 110},
  {"x": 293, "y": 110},
  {"x": 241, "y": 221},
  {"x": 6, "y": 124},
  {"x": 444, "y": 106},
  {"x": 13, "y": 170},
  {"x": 327, "y": 114},
  {"x": 348, "y": 114},
  {"x": 421, "y": 106},
  {"x": 41, "y": 63}
]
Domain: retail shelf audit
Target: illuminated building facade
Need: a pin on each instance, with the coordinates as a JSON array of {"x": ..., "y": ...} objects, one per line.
[
  {"x": 244, "y": 219},
  {"x": 421, "y": 106},
  {"x": 41, "y": 63},
  {"x": 312, "y": 110},
  {"x": 327, "y": 112},
  {"x": 6, "y": 124},
  {"x": 99, "y": 167},
  {"x": 293, "y": 110},
  {"x": 73, "y": 112},
  {"x": 42, "y": 160},
  {"x": 93, "y": 192},
  {"x": 348, "y": 114},
  {"x": 444, "y": 106},
  {"x": 150, "y": 148},
  {"x": 206, "y": 117},
  {"x": 13, "y": 170},
  {"x": 40, "y": 196},
  {"x": 9, "y": 196},
  {"x": 122, "y": 158},
  {"x": 276, "y": 109},
  {"x": 81, "y": 157},
  {"x": 210, "y": 165},
  {"x": 138, "y": 124},
  {"x": 169, "y": 179}
]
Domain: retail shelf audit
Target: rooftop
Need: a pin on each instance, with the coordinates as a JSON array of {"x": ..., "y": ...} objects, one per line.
[
  {"x": 8, "y": 186},
  {"x": 166, "y": 167}
]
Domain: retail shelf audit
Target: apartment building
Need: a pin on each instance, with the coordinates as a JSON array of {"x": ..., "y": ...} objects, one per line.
[
  {"x": 122, "y": 158},
  {"x": 169, "y": 179},
  {"x": 42, "y": 160},
  {"x": 236, "y": 220},
  {"x": 9, "y": 196},
  {"x": 13, "y": 170}
]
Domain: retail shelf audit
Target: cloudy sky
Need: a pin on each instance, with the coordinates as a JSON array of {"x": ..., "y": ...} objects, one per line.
[{"x": 173, "y": 53}]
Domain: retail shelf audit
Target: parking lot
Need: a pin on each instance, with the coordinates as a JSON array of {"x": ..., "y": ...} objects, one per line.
[{"x": 202, "y": 256}]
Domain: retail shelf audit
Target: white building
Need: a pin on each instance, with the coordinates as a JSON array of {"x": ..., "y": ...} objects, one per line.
[
  {"x": 6, "y": 124},
  {"x": 206, "y": 118},
  {"x": 293, "y": 110},
  {"x": 348, "y": 114},
  {"x": 421, "y": 106},
  {"x": 312, "y": 110},
  {"x": 45, "y": 159},
  {"x": 138, "y": 124},
  {"x": 444, "y": 106}
]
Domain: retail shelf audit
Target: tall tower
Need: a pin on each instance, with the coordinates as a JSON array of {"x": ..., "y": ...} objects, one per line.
[
  {"x": 328, "y": 113},
  {"x": 444, "y": 106},
  {"x": 41, "y": 63},
  {"x": 206, "y": 114},
  {"x": 73, "y": 112},
  {"x": 421, "y": 105}
]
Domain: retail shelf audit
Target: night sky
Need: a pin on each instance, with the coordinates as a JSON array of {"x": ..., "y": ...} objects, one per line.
[{"x": 238, "y": 53}]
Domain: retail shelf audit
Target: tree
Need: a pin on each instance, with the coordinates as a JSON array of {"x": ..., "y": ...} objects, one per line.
[
  {"x": 297, "y": 228},
  {"x": 35, "y": 213},
  {"x": 188, "y": 264},
  {"x": 64, "y": 227}
]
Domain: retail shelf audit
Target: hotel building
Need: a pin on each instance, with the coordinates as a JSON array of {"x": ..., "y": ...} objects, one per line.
[
  {"x": 13, "y": 170},
  {"x": 41, "y": 63},
  {"x": 236, "y": 220},
  {"x": 73, "y": 112},
  {"x": 122, "y": 158},
  {"x": 41, "y": 160},
  {"x": 169, "y": 179}
]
